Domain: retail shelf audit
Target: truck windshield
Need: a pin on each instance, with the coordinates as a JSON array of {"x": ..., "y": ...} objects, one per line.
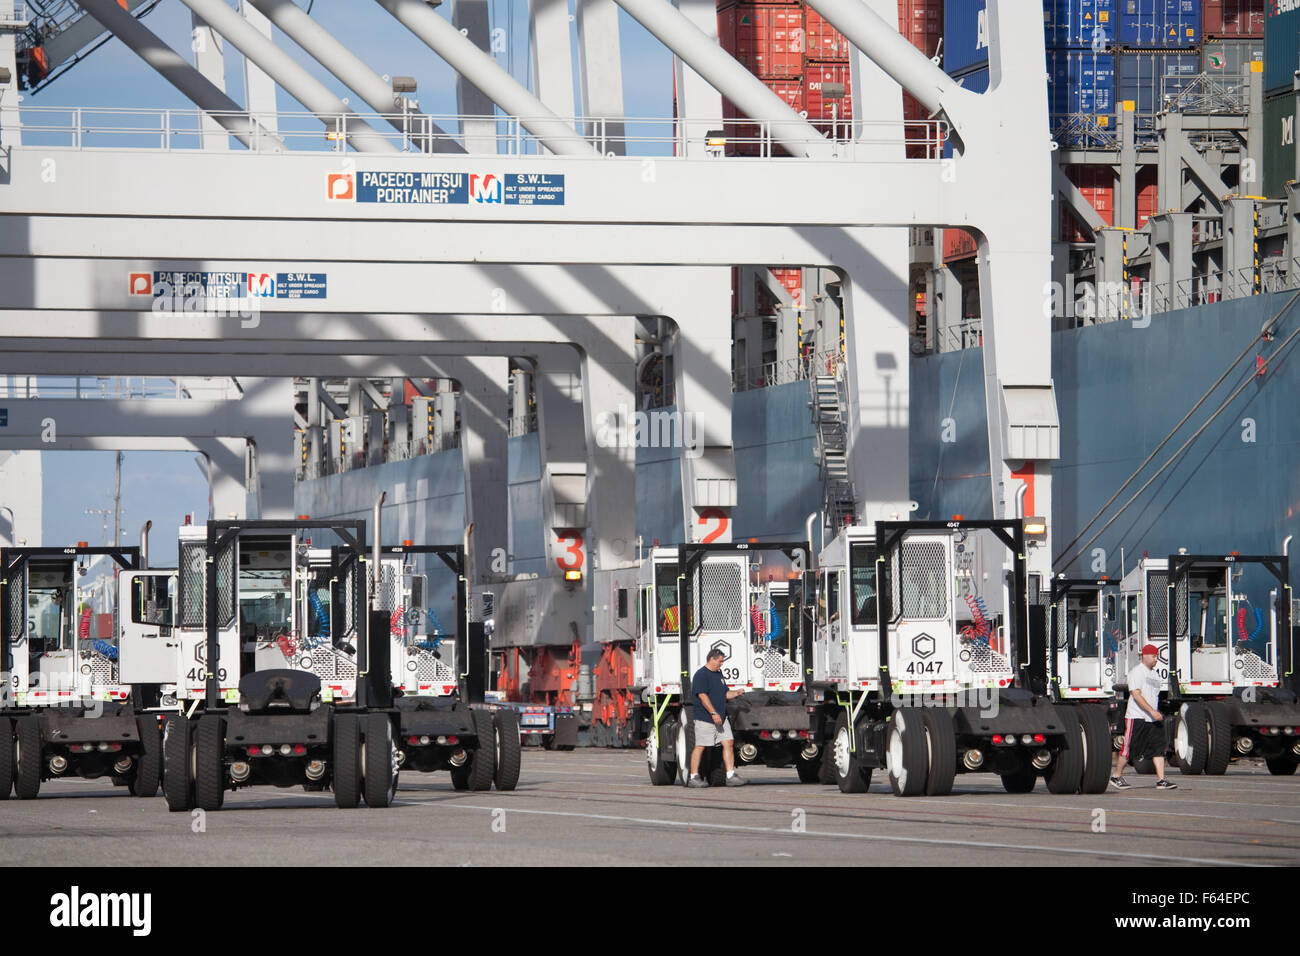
[
  {"x": 1081, "y": 626},
  {"x": 265, "y": 607},
  {"x": 49, "y": 619},
  {"x": 862, "y": 574}
]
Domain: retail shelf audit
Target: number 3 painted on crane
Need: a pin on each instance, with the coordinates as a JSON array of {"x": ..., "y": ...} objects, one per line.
[
  {"x": 718, "y": 515},
  {"x": 574, "y": 550}
]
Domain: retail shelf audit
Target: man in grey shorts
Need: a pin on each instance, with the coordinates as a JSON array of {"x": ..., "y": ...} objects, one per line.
[{"x": 709, "y": 712}]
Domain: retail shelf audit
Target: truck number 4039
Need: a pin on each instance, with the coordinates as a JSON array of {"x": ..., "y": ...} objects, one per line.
[{"x": 198, "y": 674}]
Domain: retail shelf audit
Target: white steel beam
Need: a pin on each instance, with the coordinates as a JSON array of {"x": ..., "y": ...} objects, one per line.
[
  {"x": 600, "y": 66},
  {"x": 293, "y": 77},
  {"x": 351, "y": 70},
  {"x": 553, "y": 132}
]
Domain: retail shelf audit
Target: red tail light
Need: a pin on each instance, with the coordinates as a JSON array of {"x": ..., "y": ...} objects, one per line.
[
  {"x": 413, "y": 740},
  {"x": 1039, "y": 738},
  {"x": 453, "y": 739},
  {"x": 254, "y": 750},
  {"x": 300, "y": 749},
  {"x": 997, "y": 738},
  {"x": 764, "y": 735}
]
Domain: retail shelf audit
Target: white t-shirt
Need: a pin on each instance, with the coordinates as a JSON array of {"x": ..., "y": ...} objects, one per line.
[{"x": 1144, "y": 679}]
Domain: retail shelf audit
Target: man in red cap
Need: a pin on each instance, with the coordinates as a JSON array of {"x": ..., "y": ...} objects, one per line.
[{"x": 1144, "y": 733}]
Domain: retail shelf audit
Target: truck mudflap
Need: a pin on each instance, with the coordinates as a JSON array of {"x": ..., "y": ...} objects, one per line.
[
  {"x": 1012, "y": 715},
  {"x": 434, "y": 721},
  {"x": 311, "y": 729},
  {"x": 768, "y": 711},
  {"x": 1262, "y": 713},
  {"x": 566, "y": 730},
  {"x": 78, "y": 728}
]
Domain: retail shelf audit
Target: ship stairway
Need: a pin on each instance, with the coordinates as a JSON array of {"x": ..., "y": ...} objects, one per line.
[{"x": 829, "y": 406}]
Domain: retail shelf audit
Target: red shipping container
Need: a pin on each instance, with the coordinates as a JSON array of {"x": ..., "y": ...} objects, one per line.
[
  {"x": 792, "y": 279},
  {"x": 1232, "y": 18},
  {"x": 921, "y": 22},
  {"x": 958, "y": 244},
  {"x": 822, "y": 108},
  {"x": 767, "y": 38},
  {"x": 738, "y": 126},
  {"x": 821, "y": 40},
  {"x": 1097, "y": 183}
]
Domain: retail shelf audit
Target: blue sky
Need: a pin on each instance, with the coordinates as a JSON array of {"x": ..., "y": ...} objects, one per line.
[{"x": 165, "y": 486}]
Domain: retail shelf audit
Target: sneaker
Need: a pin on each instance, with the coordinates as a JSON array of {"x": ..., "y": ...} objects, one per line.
[
  {"x": 1166, "y": 785},
  {"x": 1119, "y": 783},
  {"x": 697, "y": 781},
  {"x": 736, "y": 780}
]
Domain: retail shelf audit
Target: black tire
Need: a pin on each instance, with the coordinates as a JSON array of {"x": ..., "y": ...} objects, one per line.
[
  {"x": 717, "y": 773},
  {"x": 1145, "y": 767},
  {"x": 1020, "y": 781},
  {"x": 1194, "y": 721},
  {"x": 209, "y": 765},
  {"x": 941, "y": 751},
  {"x": 483, "y": 761},
  {"x": 27, "y": 757},
  {"x": 177, "y": 781},
  {"x": 6, "y": 757},
  {"x": 1283, "y": 766},
  {"x": 347, "y": 761},
  {"x": 1094, "y": 731},
  {"x": 1219, "y": 751},
  {"x": 378, "y": 772},
  {"x": 810, "y": 771},
  {"x": 1065, "y": 772},
  {"x": 851, "y": 776},
  {"x": 905, "y": 750},
  {"x": 148, "y": 767},
  {"x": 826, "y": 774},
  {"x": 661, "y": 751},
  {"x": 509, "y": 751},
  {"x": 460, "y": 777}
]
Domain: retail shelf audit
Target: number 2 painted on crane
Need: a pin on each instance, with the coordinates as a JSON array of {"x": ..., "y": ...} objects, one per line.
[
  {"x": 718, "y": 515},
  {"x": 574, "y": 551}
]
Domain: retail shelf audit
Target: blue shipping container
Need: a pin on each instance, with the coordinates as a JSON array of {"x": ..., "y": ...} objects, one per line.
[
  {"x": 1281, "y": 45},
  {"x": 1067, "y": 24},
  {"x": 1080, "y": 24},
  {"x": 1152, "y": 80},
  {"x": 965, "y": 35},
  {"x": 1151, "y": 24},
  {"x": 1080, "y": 81}
]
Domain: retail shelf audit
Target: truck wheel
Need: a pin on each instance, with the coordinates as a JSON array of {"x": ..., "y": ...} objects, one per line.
[
  {"x": 1283, "y": 766},
  {"x": 659, "y": 754},
  {"x": 460, "y": 777},
  {"x": 347, "y": 761},
  {"x": 1094, "y": 731},
  {"x": 941, "y": 751},
  {"x": 1020, "y": 781},
  {"x": 826, "y": 775},
  {"x": 209, "y": 765},
  {"x": 506, "y": 725},
  {"x": 1066, "y": 770},
  {"x": 177, "y": 780},
  {"x": 905, "y": 753},
  {"x": 1219, "y": 751},
  {"x": 1191, "y": 738},
  {"x": 716, "y": 773},
  {"x": 378, "y": 770},
  {"x": 685, "y": 744},
  {"x": 810, "y": 771},
  {"x": 483, "y": 761},
  {"x": 849, "y": 772},
  {"x": 1145, "y": 767},
  {"x": 27, "y": 757},
  {"x": 6, "y": 757},
  {"x": 148, "y": 766}
]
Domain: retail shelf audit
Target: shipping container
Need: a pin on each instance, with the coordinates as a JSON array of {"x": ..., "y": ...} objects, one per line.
[
  {"x": 1097, "y": 183},
  {"x": 767, "y": 38},
  {"x": 957, "y": 245},
  {"x": 1232, "y": 18},
  {"x": 1279, "y": 144},
  {"x": 920, "y": 22},
  {"x": 1081, "y": 82},
  {"x": 965, "y": 36},
  {"x": 1229, "y": 61},
  {"x": 822, "y": 109},
  {"x": 1281, "y": 45},
  {"x": 1153, "y": 24},
  {"x": 1076, "y": 24},
  {"x": 738, "y": 126},
  {"x": 1153, "y": 80}
]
